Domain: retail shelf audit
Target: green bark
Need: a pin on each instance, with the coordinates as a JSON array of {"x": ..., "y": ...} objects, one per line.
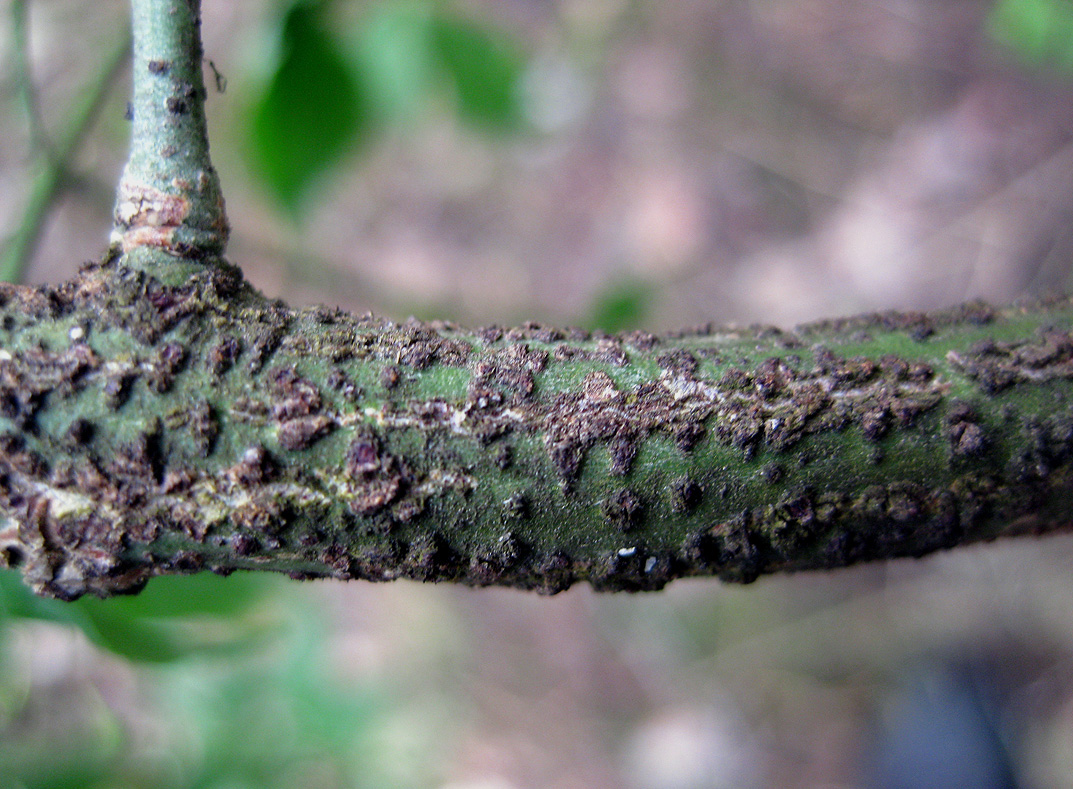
[
  {"x": 149, "y": 428},
  {"x": 159, "y": 416}
]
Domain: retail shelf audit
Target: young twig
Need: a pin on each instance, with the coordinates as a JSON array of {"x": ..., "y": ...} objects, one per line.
[{"x": 169, "y": 204}]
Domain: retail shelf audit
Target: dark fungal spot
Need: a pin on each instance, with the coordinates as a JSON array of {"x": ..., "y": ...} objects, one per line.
[
  {"x": 688, "y": 435},
  {"x": 164, "y": 366},
  {"x": 685, "y": 495},
  {"x": 176, "y": 105},
  {"x": 311, "y": 539},
  {"x": 875, "y": 423},
  {"x": 792, "y": 523},
  {"x": 254, "y": 468},
  {"x": 623, "y": 509},
  {"x": 363, "y": 455},
  {"x": 294, "y": 396},
  {"x": 771, "y": 377},
  {"x": 510, "y": 372},
  {"x": 565, "y": 353},
  {"x": 245, "y": 545},
  {"x": 79, "y": 432},
  {"x": 189, "y": 91},
  {"x": 740, "y": 557},
  {"x": 204, "y": 427},
  {"x": 566, "y": 457},
  {"x": 301, "y": 432},
  {"x": 261, "y": 515},
  {"x": 373, "y": 492},
  {"x": 429, "y": 558},
  {"x": 996, "y": 366},
  {"x": 245, "y": 409},
  {"x": 407, "y": 509},
  {"x": 727, "y": 549},
  {"x": 516, "y": 506},
  {"x": 223, "y": 354},
  {"x": 510, "y": 549},
  {"x": 188, "y": 561},
  {"x": 678, "y": 362},
  {"x": 141, "y": 459},
  {"x": 390, "y": 377},
  {"x": 11, "y": 556},
  {"x": 264, "y": 342},
  {"x": 634, "y": 570},
  {"x": 177, "y": 481},
  {"x": 963, "y": 431},
  {"x": 622, "y": 449},
  {"x": 377, "y": 562},
  {"x": 641, "y": 340},
  {"x": 503, "y": 456},
  {"x": 1045, "y": 445},
  {"x": 159, "y": 66},
  {"x": 338, "y": 558},
  {"x": 339, "y": 382},
  {"x": 492, "y": 564},
  {"x": 554, "y": 573}
]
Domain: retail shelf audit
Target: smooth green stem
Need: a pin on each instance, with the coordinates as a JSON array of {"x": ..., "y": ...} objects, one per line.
[
  {"x": 169, "y": 201},
  {"x": 20, "y": 39},
  {"x": 54, "y": 162},
  {"x": 148, "y": 428}
]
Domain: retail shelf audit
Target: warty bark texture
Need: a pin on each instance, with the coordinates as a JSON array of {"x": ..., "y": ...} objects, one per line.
[{"x": 149, "y": 428}]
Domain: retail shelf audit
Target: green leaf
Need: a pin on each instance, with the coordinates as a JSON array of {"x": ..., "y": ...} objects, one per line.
[
  {"x": 18, "y": 602},
  {"x": 311, "y": 113},
  {"x": 1022, "y": 25},
  {"x": 1039, "y": 31},
  {"x": 393, "y": 50},
  {"x": 203, "y": 594},
  {"x": 485, "y": 69},
  {"x": 622, "y": 306},
  {"x": 172, "y": 618}
]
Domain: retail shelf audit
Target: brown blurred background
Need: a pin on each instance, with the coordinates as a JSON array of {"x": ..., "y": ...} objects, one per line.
[{"x": 737, "y": 160}]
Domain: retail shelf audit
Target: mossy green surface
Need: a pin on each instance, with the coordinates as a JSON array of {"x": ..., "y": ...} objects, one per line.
[{"x": 149, "y": 427}]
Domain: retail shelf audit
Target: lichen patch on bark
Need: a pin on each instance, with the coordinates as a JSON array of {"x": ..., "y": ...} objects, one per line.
[
  {"x": 996, "y": 365},
  {"x": 146, "y": 216}
]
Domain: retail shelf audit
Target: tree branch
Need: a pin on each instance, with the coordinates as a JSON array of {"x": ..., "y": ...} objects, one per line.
[
  {"x": 159, "y": 416},
  {"x": 149, "y": 428}
]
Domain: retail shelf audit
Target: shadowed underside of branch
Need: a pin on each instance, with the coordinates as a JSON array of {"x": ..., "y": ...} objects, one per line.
[{"x": 150, "y": 428}]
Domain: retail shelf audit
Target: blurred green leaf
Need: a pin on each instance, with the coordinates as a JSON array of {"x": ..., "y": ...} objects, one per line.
[
  {"x": 1039, "y": 31},
  {"x": 312, "y": 111},
  {"x": 622, "y": 306},
  {"x": 393, "y": 50},
  {"x": 203, "y": 594},
  {"x": 172, "y": 618},
  {"x": 18, "y": 602},
  {"x": 485, "y": 69},
  {"x": 259, "y": 725},
  {"x": 176, "y": 616},
  {"x": 79, "y": 764}
]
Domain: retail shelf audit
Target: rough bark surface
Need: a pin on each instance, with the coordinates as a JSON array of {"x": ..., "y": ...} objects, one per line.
[
  {"x": 149, "y": 428},
  {"x": 157, "y": 416}
]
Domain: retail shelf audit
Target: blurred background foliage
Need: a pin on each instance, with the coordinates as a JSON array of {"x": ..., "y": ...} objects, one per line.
[
  {"x": 615, "y": 164},
  {"x": 1039, "y": 31},
  {"x": 331, "y": 87}
]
